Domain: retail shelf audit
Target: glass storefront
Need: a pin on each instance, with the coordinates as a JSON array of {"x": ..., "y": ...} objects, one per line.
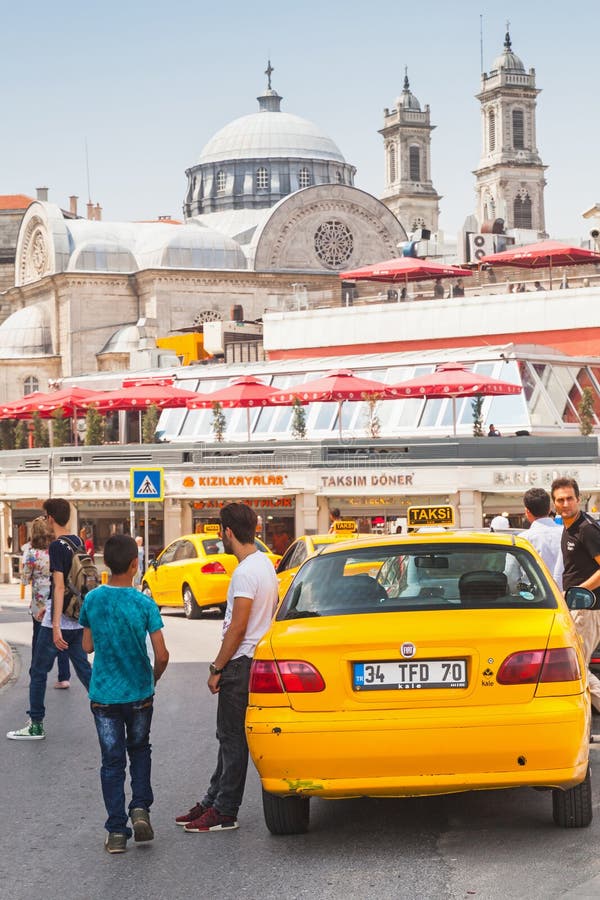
[{"x": 276, "y": 518}]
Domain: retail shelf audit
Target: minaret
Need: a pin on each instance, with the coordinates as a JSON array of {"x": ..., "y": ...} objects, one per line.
[
  {"x": 510, "y": 178},
  {"x": 409, "y": 192}
]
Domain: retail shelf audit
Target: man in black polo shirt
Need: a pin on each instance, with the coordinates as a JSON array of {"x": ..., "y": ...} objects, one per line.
[{"x": 580, "y": 547}]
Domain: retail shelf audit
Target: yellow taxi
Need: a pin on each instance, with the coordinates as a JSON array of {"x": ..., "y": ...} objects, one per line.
[
  {"x": 309, "y": 544},
  {"x": 455, "y": 667},
  {"x": 194, "y": 572}
]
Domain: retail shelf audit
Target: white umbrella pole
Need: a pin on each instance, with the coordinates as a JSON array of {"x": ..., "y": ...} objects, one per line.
[
  {"x": 248, "y": 421},
  {"x": 340, "y": 417},
  {"x": 454, "y": 415}
]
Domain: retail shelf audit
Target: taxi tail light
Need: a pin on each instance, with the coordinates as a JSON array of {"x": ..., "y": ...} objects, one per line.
[
  {"x": 290, "y": 675},
  {"x": 533, "y": 666},
  {"x": 213, "y": 568}
]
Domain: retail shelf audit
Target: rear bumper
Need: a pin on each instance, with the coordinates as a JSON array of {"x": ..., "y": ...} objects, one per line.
[{"x": 353, "y": 754}]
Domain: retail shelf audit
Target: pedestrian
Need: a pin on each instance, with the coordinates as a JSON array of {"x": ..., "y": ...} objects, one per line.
[
  {"x": 538, "y": 286},
  {"x": 459, "y": 289},
  {"x": 57, "y": 632},
  {"x": 251, "y": 603},
  {"x": 139, "y": 542},
  {"x": 334, "y": 516},
  {"x": 35, "y": 570},
  {"x": 438, "y": 289},
  {"x": 493, "y": 432},
  {"x": 543, "y": 534},
  {"x": 500, "y": 523},
  {"x": 580, "y": 547},
  {"x": 88, "y": 542},
  {"x": 116, "y": 620}
]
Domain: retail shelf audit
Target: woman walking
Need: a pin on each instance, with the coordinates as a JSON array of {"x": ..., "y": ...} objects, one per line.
[{"x": 35, "y": 569}]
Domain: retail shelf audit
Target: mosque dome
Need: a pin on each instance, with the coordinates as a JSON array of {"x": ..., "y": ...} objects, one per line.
[
  {"x": 507, "y": 59},
  {"x": 270, "y": 135},
  {"x": 26, "y": 333},
  {"x": 257, "y": 160},
  {"x": 102, "y": 256}
]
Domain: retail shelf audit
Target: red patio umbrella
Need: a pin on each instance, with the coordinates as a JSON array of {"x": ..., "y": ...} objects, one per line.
[
  {"x": 541, "y": 255},
  {"x": 405, "y": 269},
  {"x": 453, "y": 380},
  {"x": 140, "y": 396},
  {"x": 246, "y": 392},
  {"x": 70, "y": 400},
  {"x": 339, "y": 385}
]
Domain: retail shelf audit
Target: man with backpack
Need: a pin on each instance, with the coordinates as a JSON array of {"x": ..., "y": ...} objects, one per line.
[
  {"x": 72, "y": 574},
  {"x": 581, "y": 556}
]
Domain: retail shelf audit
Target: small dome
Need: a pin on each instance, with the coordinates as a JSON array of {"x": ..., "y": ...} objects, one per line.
[
  {"x": 124, "y": 340},
  {"x": 270, "y": 135},
  {"x": 507, "y": 59},
  {"x": 407, "y": 99},
  {"x": 201, "y": 248},
  {"x": 26, "y": 333},
  {"x": 102, "y": 256}
]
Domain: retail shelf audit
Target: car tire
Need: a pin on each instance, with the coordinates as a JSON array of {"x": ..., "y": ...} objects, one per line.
[
  {"x": 286, "y": 815},
  {"x": 573, "y": 808},
  {"x": 190, "y": 607}
]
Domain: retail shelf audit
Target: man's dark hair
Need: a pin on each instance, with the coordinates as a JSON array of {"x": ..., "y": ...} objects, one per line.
[
  {"x": 119, "y": 551},
  {"x": 242, "y": 521},
  {"x": 59, "y": 509},
  {"x": 335, "y": 512},
  {"x": 564, "y": 482},
  {"x": 537, "y": 501}
]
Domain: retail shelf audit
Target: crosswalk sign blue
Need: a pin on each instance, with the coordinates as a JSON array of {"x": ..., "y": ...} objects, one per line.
[{"x": 146, "y": 485}]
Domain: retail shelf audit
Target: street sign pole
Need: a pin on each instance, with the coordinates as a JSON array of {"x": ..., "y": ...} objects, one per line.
[{"x": 146, "y": 486}]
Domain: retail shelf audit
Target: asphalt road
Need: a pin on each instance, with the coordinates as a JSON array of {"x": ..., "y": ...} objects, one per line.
[{"x": 488, "y": 845}]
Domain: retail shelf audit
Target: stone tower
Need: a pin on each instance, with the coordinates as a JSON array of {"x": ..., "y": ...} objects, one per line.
[
  {"x": 510, "y": 178},
  {"x": 409, "y": 193}
]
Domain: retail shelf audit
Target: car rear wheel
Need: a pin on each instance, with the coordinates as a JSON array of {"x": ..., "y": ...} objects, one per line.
[
  {"x": 286, "y": 815},
  {"x": 573, "y": 808},
  {"x": 190, "y": 607}
]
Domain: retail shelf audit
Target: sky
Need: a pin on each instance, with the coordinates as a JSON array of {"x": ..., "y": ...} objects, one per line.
[{"x": 145, "y": 85}]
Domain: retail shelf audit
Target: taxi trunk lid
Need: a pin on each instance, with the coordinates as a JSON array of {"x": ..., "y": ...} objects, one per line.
[{"x": 445, "y": 658}]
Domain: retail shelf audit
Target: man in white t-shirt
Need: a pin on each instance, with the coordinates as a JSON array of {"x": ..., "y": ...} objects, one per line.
[
  {"x": 251, "y": 603},
  {"x": 543, "y": 533}
]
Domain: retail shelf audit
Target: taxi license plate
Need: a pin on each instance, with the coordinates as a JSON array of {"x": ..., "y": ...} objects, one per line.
[{"x": 408, "y": 675}]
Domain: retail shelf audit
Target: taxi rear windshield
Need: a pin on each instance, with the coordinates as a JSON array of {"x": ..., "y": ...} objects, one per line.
[{"x": 423, "y": 577}]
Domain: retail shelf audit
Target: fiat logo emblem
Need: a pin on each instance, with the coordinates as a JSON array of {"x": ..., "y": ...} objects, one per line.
[{"x": 408, "y": 650}]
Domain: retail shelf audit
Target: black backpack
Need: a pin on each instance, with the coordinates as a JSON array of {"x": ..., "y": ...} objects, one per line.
[{"x": 81, "y": 578}]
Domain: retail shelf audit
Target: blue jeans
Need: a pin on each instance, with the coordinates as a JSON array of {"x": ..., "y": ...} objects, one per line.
[
  {"x": 124, "y": 730},
  {"x": 64, "y": 670},
  {"x": 42, "y": 661},
  {"x": 226, "y": 787}
]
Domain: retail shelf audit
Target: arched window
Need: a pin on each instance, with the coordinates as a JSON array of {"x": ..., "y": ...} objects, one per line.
[
  {"x": 518, "y": 129},
  {"x": 303, "y": 178},
  {"x": 338, "y": 176},
  {"x": 492, "y": 131},
  {"x": 522, "y": 210},
  {"x": 489, "y": 208},
  {"x": 262, "y": 179},
  {"x": 392, "y": 162},
  {"x": 221, "y": 181},
  {"x": 30, "y": 385},
  {"x": 414, "y": 163}
]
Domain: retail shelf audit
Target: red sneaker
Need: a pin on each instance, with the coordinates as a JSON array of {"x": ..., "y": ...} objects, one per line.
[
  {"x": 194, "y": 813},
  {"x": 212, "y": 820}
]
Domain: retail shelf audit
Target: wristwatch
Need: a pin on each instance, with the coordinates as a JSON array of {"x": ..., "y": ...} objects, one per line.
[{"x": 213, "y": 669}]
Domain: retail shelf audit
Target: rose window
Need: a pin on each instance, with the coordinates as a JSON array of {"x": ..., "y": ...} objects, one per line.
[{"x": 334, "y": 243}]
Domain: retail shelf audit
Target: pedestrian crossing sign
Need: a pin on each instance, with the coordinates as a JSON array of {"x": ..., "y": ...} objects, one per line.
[{"x": 146, "y": 485}]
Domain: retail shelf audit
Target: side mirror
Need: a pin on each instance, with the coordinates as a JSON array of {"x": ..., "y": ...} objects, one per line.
[
  {"x": 580, "y": 598},
  {"x": 153, "y": 563}
]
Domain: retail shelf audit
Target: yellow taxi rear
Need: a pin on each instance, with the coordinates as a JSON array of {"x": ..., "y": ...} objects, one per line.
[{"x": 436, "y": 676}]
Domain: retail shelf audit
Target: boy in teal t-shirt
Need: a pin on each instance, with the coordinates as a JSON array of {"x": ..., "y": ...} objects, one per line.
[{"x": 116, "y": 620}]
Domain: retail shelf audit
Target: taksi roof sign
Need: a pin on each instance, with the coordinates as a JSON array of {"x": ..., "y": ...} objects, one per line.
[
  {"x": 429, "y": 515},
  {"x": 147, "y": 485}
]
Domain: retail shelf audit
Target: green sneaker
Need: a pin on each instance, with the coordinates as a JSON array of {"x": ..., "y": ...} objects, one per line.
[
  {"x": 33, "y": 731},
  {"x": 115, "y": 842},
  {"x": 142, "y": 829}
]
